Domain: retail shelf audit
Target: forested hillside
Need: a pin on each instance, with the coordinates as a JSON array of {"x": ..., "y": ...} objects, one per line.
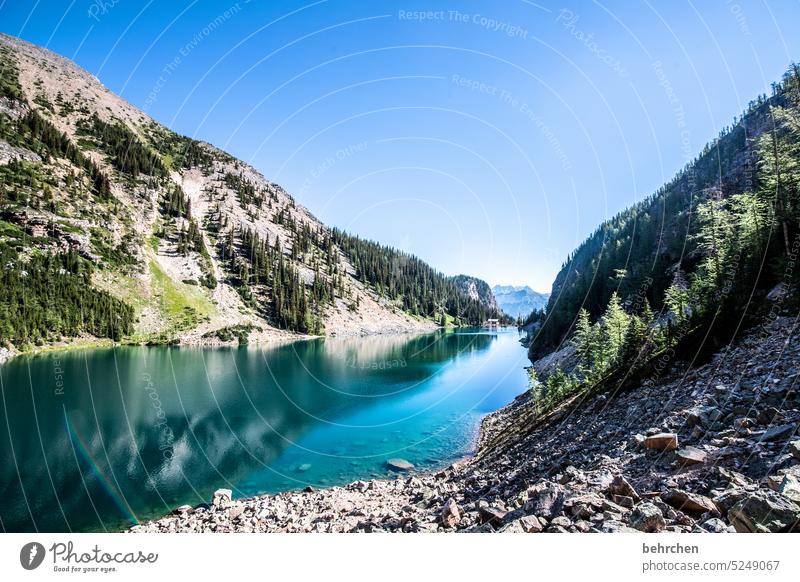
[
  {"x": 682, "y": 272},
  {"x": 113, "y": 226},
  {"x": 666, "y": 239},
  {"x": 422, "y": 290}
]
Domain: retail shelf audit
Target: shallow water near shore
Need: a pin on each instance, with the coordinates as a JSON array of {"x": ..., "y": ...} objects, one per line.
[{"x": 99, "y": 439}]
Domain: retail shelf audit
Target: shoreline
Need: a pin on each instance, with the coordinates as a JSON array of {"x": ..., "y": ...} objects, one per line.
[
  {"x": 280, "y": 338},
  {"x": 721, "y": 455},
  {"x": 223, "y": 500}
]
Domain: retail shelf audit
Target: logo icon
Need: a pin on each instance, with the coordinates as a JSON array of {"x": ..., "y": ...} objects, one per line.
[{"x": 31, "y": 555}]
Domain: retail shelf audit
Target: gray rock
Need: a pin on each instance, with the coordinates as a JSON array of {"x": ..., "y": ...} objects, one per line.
[
  {"x": 491, "y": 515},
  {"x": 790, "y": 488},
  {"x": 775, "y": 433},
  {"x": 764, "y": 511},
  {"x": 451, "y": 514},
  {"x": 714, "y": 525},
  {"x": 222, "y": 497},
  {"x": 688, "y": 502},
  {"x": 545, "y": 499},
  {"x": 621, "y": 487},
  {"x": 794, "y": 448},
  {"x": 646, "y": 517},
  {"x": 691, "y": 456}
]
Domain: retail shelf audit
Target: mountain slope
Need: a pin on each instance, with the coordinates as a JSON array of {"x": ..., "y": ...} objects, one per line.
[
  {"x": 519, "y": 301},
  {"x": 171, "y": 238},
  {"x": 647, "y": 248}
]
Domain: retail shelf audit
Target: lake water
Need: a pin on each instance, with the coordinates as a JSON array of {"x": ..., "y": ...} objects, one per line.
[{"x": 100, "y": 439}]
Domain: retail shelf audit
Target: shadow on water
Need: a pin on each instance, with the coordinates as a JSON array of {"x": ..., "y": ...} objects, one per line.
[{"x": 100, "y": 439}]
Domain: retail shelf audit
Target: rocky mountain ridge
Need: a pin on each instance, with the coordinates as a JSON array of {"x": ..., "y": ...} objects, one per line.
[
  {"x": 520, "y": 300},
  {"x": 200, "y": 246}
]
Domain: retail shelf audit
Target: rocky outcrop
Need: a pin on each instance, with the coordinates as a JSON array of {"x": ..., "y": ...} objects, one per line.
[{"x": 585, "y": 467}]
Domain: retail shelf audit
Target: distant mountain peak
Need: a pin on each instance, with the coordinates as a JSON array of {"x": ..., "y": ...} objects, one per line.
[{"x": 519, "y": 300}]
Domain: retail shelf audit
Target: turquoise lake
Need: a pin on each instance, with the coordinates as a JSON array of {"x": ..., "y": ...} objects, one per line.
[{"x": 97, "y": 440}]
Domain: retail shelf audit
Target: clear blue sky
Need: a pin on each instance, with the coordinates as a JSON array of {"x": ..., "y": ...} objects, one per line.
[{"x": 486, "y": 137}]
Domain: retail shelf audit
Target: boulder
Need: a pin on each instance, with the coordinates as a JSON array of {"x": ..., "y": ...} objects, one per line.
[
  {"x": 775, "y": 433},
  {"x": 614, "y": 526},
  {"x": 691, "y": 456},
  {"x": 545, "y": 499},
  {"x": 764, "y": 511},
  {"x": 794, "y": 448},
  {"x": 491, "y": 515},
  {"x": 790, "y": 488},
  {"x": 399, "y": 465},
  {"x": 663, "y": 441},
  {"x": 767, "y": 415},
  {"x": 714, "y": 525},
  {"x": 222, "y": 497},
  {"x": 646, "y": 517},
  {"x": 530, "y": 524},
  {"x": 688, "y": 502},
  {"x": 451, "y": 514},
  {"x": 620, "y": 487}
]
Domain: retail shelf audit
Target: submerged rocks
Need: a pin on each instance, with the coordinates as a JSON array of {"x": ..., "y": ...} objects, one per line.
[{"x": 399, "y": 465}]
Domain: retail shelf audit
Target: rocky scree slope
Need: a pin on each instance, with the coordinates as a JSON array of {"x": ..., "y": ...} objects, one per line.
[
  {"x": 198, "y": 245},
  {"x": 713, "y": 448}
]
